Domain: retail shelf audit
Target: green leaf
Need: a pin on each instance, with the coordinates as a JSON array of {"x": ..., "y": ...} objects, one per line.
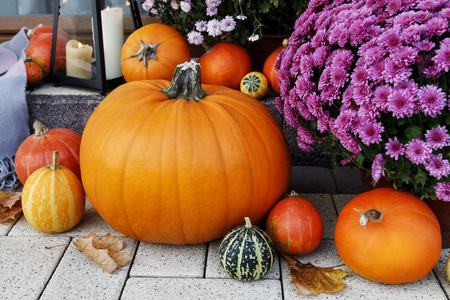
[
  {"x": 420, "y": 177},
  {"x": 265, "y": 7},
  {"x": 412, "y": 132},
  {"x": 405, "y": 175}
]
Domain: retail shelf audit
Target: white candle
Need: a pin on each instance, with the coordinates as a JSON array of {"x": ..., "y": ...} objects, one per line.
[
  {"x": 113, "y": 39},
  {"x": 78, "y": 60}
]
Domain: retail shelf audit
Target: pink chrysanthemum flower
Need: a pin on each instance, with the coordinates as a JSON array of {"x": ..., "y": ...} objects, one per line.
[
  {"x": 437, "y": 137},
  {"x": 350, "y": 143},
  {"x": 394, "y": 148},
  {"x": 370, "y": 133},
  {"x": 377, "y": 167},
  {"x": 431, "y": 100},
  {"x": 442, "y": 190},
  {"x": 442, "y": 58},
  {"x": 417, "y": 151},
  {"x": 438, "y": 167}
]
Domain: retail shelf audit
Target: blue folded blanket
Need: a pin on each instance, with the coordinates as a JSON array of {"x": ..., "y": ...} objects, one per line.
[{"x": 14, "y": 128}]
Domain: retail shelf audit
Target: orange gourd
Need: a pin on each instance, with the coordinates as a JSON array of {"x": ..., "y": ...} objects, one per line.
[
  {"x": 36, "y": 150},
  {"x": 35, "y": 74},
  {"x": 53, "y": 198},
  {"x": 388, "y": 236},
  {"x": 295, "y": 225},
  {"x": 181, "y": 163},
  {"x": 40, "y": 47},
  {"x": 153, "y": 52},
  {"x": 225, "y": 65}
]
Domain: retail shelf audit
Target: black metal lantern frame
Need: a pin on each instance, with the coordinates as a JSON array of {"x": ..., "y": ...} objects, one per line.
[{"x": 99, "y": 81}]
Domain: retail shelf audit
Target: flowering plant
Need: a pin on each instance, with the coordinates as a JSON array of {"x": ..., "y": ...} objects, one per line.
[
  {"x": 236, "y": 21},
  {"x": 367, "y": 80}
]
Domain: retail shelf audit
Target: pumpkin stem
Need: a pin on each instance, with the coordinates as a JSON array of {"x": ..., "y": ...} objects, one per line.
[
  {"x": 55, "y": 161},
  {"x": 293, "y": 194},
  {"x": 373, "y": 215},
  {"x": 248, "y": 224},
  {"x": 146, "y": 52},
  {"x": 39, "y": 129},
  {"x": 285, "y": 43},
  {"x": 186, "y": 83}
]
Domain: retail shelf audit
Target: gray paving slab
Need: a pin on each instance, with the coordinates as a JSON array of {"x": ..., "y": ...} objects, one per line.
[
  {"x": 358, "y": 287},
  {"x": 26, "y": 265},
  {"x": 215, "y": 270},
  {"x": 440, "y": 271},
  {"x": 160, "y": 260},
  {"x": 340, "y": 200},
  {"x": 77, "y": 277},
  {"x": 325, "y": 206},
  {"x": 91, "y": 220},
  {"x": 199, "y": 289},
  {"x": 6, "y": 226}
]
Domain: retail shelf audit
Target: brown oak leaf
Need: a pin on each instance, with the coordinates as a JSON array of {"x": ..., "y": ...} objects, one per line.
[
  {"x": 10, "y": 205},
  {"x": 309, "y": 279},
  {"x": 104, "y": 251}
]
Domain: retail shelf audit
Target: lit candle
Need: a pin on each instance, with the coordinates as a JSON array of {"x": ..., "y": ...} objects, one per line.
[
  {"x": 113, "y": 39},
  {"x": 78, "y": 60}
]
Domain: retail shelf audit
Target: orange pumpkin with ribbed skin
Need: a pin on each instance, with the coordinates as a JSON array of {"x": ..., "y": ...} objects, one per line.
[
  {"x": 40, "y": 47},
  {"x": 35, "y": 74},
  {"x": 36, "y": 151},
  {"x": 181, "y": 166},
  {"x": 269, "y": 69},
  {"x": 400, "y": 241},
  {"x": 53, "y": 198},
  {"x": 153, "y": 52},
  {"x": 295, "y": 225},
  {"x": 225, "y": 65}
]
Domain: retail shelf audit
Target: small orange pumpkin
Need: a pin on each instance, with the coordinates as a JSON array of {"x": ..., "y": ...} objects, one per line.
[
  {"x": 35, "y": 74},
  {"x": 388, "y": 236},
  {"x": 53, "y": 198},
  {"x": 269, "y": 67},
  {"x": 153, "y": 52},
  {"x": 225, "y": 65}
]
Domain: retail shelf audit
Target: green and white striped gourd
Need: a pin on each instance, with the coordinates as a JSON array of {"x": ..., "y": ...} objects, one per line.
[{"x": 247, "y": 252}]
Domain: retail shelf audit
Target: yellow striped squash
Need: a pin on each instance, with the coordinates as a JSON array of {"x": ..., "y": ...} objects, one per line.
[
  {"x": 247, "y": 252},
  {"x": 53, "y": 198},
  {"x": 254, "y": 84}
]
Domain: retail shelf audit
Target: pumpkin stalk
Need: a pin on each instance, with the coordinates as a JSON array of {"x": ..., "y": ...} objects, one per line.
[
  {"x": 373, "y": 215},
  {"x": 293, "y": 194},
  {"x": 55, "y": 161},
  {"x": 186, "y": 83},
  {"x": 146, "y": 52},
  {"x": 39, "y": 129},
  {"x": 248, "y": 223}
]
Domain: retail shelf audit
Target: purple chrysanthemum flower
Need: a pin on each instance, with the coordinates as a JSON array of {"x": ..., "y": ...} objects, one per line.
[
  {"x": 442, "y": 58},
  {"x": 360, "y": 76},
  {"x": 349, "y": 143},
  {"x": 370, "y": 133},
  {"x": 437, "y": 166},
  {"x": 417, "y": 151},
  {"x": 344, "y": 121},
  {"x": 437, "y": 137},
  {"x": 381, "y": 96},
  {"x": 377, "y": 167},
  {"x": 394, "y": 148},
  {"x": 195, "y": 38},
  {"x": 442, "y": 190},
  {"x": 228, "y": 24},
  {"x": 436, "y": 25},
  {"x": 431, "y": 100},
  {"x": 394, "y": 73},
  {"x": 401, "y": 103},
  {"x": 338, "y": 77},
  {"x": 213, "y": 28}
]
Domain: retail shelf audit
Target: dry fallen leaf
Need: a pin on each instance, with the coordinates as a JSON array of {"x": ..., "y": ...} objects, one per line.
[
  {"x": 447, "y": 268},
  {"x": 10, "y": 205},
  {"x": 309, "y": 279},
  {"x": 103, "y": 251}
]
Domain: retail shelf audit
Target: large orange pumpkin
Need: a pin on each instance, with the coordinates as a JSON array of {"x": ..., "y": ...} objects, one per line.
[
  {"x": 153, "y": 52},
  {"x": 388, "y": 236},
  {"x": 40, "y": 47},
  {"x": 225, "y": 65},
  {"x": 179, "y": 165},
  {"x": 36, "y": 151}
]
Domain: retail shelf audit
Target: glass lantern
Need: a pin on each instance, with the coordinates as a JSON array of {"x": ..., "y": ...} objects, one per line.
[{"x": 86, "y": 51}]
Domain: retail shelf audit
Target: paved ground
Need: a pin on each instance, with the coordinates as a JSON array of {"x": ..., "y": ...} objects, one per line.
[{"x": 30, "y": 271}]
